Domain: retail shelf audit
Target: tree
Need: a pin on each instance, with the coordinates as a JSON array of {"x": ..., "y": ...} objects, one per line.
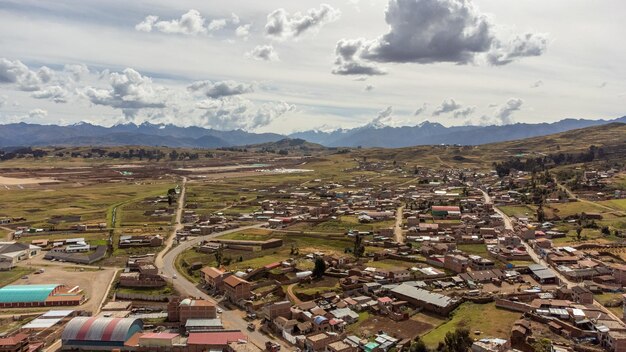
[
  {"x": 542, "y": 345},
  {"x": 458, "y": 340},
  {"x": 418, "y": 346},
  {"x": 359, "y": 249},
  {"x": 606, "y": 231},
  {"x": 320, "y": 268},
  {"x": 219, "y": 255},
  {"x": 541, "y": 215},
  {"x": 579, "y": 231}
]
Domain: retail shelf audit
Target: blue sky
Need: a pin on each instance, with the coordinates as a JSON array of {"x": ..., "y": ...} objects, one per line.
[{"x": 285, "y": 66}]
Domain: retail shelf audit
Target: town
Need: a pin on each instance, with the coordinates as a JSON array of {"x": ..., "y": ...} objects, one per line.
[{"x": 328, "y": 251}]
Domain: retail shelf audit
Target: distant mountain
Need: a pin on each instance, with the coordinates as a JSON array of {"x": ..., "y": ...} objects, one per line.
[
  {"x": 146, "y": 134},
  {"x": 429, "y": 133}
]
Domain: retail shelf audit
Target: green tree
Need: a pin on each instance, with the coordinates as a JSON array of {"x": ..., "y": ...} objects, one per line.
[
  {"x": 458, "y": 340},
  {"x": 542, "y": 345},
  {"x": 359, "y": 248},
  {"x": 320, "y": 268},
  {"x": 579, "y": 231},
  {"x": 418, "y": 346},
  {"x": 219, "y": 255}
]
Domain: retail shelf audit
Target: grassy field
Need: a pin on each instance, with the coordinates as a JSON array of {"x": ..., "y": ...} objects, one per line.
[
  {"x": 342, "y": 225},
  {"x": 7, "y": 277},
  {"x": 475, "y": 249},
  {"x": 518, "y": 210},
  {"x": 611, "y": 298},
  {"x": 89, "y": 203},
  {"x": 619, "y": 204},
  {"x": 486, "y": 318}
]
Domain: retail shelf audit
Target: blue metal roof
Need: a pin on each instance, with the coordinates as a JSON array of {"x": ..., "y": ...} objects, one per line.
[{"x": 26, "y": 293}]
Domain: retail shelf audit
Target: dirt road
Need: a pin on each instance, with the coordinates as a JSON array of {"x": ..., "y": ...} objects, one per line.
[
  {"x": 397, "y": 230},
  {"x": 158, "y": 261}
]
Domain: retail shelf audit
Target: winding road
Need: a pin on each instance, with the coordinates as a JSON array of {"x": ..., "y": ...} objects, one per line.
[{"x": 508, "y": 223}]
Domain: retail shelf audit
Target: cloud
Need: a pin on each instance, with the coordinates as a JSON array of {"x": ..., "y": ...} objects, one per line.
[
  {"x": 243, "y": 31},
  {"x": 263, "y": 53},
  {"x": 602, "y": 85},
  {"x": 237, "y": 113},
  {"x": 526, "y": 45},
  {"x": 77, "y": 71},
  {"x": 502, "y": 114},
  {"x": 448, "y": 105},
  {"x": 15, "y": 72},
  {"x": 433, "y": 31},
  {"x": 383, "y": 118},
  {"x": 190, "y": 23},
  {"x": 221, "y": 89},
  {"x": 537, "y": 84},
  {"x": 216, "y": 25},
  {"x": 282, "y": 25},
  {"x": 3, "y": 100},
  {"x": 369, "y": 88},
  {"x": 464, "y": 113},
  {"x": 57, "y": 94},
  {"x": 420, "y": 110},
  {"x": 37, "y": 114},
  {"x": 129, "y": 91},
  {"x": 347, "y": 60}
]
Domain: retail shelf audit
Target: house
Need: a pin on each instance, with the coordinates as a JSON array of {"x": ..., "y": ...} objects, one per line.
[
  {"x": 213, "y": 278},
  {"x": 582, "y": 295},
  {"x": 456, "y": 263},
  {"x": 12, "y": 252},
  {"x": 345, "y": 314},
  {"x": 181, "y": 311},
  {"x": 318, "y": 342},
  {"x": 276, "y": 309},
  {"x": 236, "y": 289}
]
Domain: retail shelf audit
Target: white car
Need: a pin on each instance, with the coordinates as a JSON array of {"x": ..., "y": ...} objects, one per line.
[{"x": 174, "y": 276}]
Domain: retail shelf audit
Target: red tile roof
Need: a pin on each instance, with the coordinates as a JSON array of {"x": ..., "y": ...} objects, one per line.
[{"x": 13, "y": 340}]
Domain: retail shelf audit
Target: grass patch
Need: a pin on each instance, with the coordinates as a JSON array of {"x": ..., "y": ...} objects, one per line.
[{"x": 491, "y": 321}]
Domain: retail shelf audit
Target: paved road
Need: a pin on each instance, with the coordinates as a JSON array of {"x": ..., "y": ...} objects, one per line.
[{"x": 232, "y": 319}]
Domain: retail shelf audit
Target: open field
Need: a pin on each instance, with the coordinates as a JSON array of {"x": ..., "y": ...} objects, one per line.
[
  {"x": 7, "y": 277},
  {"x": 50, "y": 205},
  {"x": 486, "y": 318}
]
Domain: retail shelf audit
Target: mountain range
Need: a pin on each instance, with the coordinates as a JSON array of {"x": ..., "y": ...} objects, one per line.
[{"x": 146, "y": 134}]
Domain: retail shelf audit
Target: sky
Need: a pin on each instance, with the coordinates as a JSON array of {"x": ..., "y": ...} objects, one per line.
[{"x": 285, "y": 66}]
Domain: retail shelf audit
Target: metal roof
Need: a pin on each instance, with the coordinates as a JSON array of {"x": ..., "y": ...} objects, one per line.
[
  {"x": 101, "y": 329},
  {"x": 26, "y": 293},
  {"x": 433, "y": 298},
  {"x": 41, "y": 323}
]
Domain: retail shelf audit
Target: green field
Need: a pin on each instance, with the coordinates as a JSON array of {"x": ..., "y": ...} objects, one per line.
[
  {"x": 474, "y": 249},
  {"x": 486, "y": 318}
]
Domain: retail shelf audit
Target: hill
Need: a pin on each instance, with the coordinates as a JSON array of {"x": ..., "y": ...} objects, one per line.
[{"x": 612, "y": 137}]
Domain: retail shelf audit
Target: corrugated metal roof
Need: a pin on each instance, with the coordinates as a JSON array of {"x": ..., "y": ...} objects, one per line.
[
  {"x": 26, "y": 293},
  {"x": 101, "y": 329},
  {"x": 424, "y": 295}
]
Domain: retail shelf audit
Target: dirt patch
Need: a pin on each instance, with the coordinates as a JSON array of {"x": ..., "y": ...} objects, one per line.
[
  {"x": 406, "y": 329},
  {"x": 13, "y": 181},
  {"x": 94, "y": 283}
]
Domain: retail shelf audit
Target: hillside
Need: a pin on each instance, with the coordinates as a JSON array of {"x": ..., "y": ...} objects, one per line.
[{"x": 612, "y": 137}]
